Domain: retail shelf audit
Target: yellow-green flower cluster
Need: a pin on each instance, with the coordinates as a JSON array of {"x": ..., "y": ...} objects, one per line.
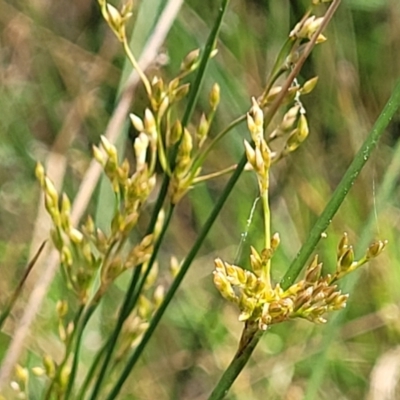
[
  {"x": 293, "y": 126},
  {"x": 85, "y": 250},
  {"x": 190, "y": 155},
  {"x": 311, "y": 298},
  {"x": 116, "y": 19},
  {"x": 258, "y": 157},
  {"x": 306, "y": 29},
  {"x": 177, "y": 148},
  {"x": 345, "y": 256}
]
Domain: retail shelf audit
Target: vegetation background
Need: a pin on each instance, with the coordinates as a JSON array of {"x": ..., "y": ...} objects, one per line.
[{"x": 60, "y": 72}]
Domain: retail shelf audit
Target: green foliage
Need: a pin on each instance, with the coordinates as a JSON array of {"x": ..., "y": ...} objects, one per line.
[{"x": 188, "y": 192}]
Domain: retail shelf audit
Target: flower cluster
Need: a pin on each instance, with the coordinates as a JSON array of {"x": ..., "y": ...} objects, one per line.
[
  {"x": 85, "y": 250},
  {"x": 311, "y": 298},
  {"x": 262, "y": 303}
]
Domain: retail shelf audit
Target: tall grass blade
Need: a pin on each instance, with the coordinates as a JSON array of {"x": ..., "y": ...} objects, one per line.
[{"x": 343, "y": 188}]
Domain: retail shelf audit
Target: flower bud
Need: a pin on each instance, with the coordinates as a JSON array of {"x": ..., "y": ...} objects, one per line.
[
  {"x": 49, "y": 366},
  {"x": 343, "y": 245},
  {"x": 346, "y": 261},
  {"x": 181, "y": 92},
  {"x": 22, "y": 374},
  {"x": 174, "y": 266},
  {"x": 40, "y": 173},
  {"x": 75, "y": 235},
  {"x": 214, "y": 96},
  {"x": 176, "y": 132},
  {"x": 38, "y": 371},
  {"x": 376, "y": 248},
  {"x": 309, "y": 85},
  {"x": 250, "y": 154},
  {"x": 203, "y": 128},
  {"x": 159, "y": 294},
  {"x": 136, "y": 122},
  {"x": 99, "y": 156},
  {"x": 62, "y": 308},
  {"x": 190, "y": 61},
  {"x": 222, "y": 284},
  {"x": 110, "y": 149},
  {"x": 275, "y": 241}
]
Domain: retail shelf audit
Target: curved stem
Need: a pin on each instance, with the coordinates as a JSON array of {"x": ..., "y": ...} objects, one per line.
[
  {"x": 135, "y": 65},
  {"x": 214, "y": 175}
]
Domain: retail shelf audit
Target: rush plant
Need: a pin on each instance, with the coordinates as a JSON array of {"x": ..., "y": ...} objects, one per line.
[{"x": 170, "y": 151}]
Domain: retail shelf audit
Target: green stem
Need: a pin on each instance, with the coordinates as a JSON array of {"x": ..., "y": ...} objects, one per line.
[
  {"x": 8, "y": 307},
  {"x": 129, "y": 304},
  {"x": 343, "y": 188},
  {"x": 214, "y": 214},
  {"x": 79, "y": 335},
  {"x": 92, "y": 370},
  {"x": 192, "y": 100},
  {"x": 235, "y": 367},
  {"x": 199, "y": 159},
  {"x": 123, "y": 314},
  {"x": 266, "y": 273},
  {"x": 68, "y": 346},
  {"x": 177, "y": 281},
  {"x": 135, "y": 65},
  {"x": 334, "y": 324}
]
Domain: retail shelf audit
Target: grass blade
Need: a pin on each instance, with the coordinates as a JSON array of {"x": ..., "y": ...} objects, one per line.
[{"x": 343, "y": 188}]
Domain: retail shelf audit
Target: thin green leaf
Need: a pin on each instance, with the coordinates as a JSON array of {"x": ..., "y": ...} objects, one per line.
[
  {"x": 343, "y": 188},
  {"x": 333, "y": 326}
]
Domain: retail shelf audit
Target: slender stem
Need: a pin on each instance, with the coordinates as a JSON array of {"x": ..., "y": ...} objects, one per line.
[
  {"x": 296, "y": 69},
  {"x": 198, "y": 161},
  {"x": 245, "y": 351},
  {"x": 18, "y": 289},
  {"x": 135, "y": 65},
  {"x": 214, "y": 175},
  {"x": 177, "y": 281},
  {"x": 343, "y": 188},
  {"x": 207, "y": 226},
  {"x": 266, "y": 273},
  {"x": 334, "y": 324},
  {"x": 129, "y": 304},
  {"x": 92, "y": 370},
  {"x": 235, "y": 367},
  {"x": 79, "y": 335}
]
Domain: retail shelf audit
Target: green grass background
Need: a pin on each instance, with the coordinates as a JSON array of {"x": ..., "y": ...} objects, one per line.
[{"x": 55, "y": 58}]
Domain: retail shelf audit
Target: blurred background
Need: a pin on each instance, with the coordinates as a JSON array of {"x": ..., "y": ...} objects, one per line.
[{"x": 61, "y": 70}]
